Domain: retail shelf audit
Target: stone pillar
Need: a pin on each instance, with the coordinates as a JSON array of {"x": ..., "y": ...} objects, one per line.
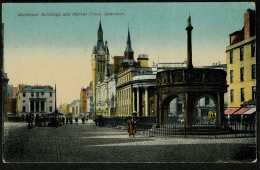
[
  {"x": 188, "y": 113},
  {"x": 146, "y": 101},
  {"x": 29, "y": 106},
  {"x": 34, "y": 107},
  {"x": 133, "y": 99},
  {"x": 138, "y": 102},
  {"x": 157, "y": 110},
  {"x": 220, "y": 109}
]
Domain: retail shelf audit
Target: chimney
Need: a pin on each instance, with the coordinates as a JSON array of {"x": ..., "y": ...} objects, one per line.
[{"x": 249, "y": 24}]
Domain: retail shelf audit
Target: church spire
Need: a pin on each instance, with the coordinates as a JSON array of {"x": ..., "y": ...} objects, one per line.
[
  {"x": 128, "y": 43},
  {"x": 129, "y": 53},
  {"x": 100, "y": 32}
]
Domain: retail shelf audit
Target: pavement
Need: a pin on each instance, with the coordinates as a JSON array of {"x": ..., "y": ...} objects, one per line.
[{"x": 92, "y": 144}]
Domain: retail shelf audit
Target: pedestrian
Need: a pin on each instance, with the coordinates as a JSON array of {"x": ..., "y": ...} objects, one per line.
[
  {"x": 63, "y": 120},
  {"x": 96, "y": 122},
  {"x": 131, "y": 127},
  {"x": 70, "y": 120},
  {"x": 83, "y": 120},
  {"x": 67, "y": 120},
  {"x": 76, "y": 120}
]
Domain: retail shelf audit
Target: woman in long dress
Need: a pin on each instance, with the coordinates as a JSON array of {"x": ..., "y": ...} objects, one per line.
[{"x": 131, "y": 127}]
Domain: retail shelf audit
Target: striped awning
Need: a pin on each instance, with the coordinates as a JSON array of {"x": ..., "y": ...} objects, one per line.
[
  {"x": 230, "y": 111},
  {"x": 250, "y": 111},
  {"x": 242, "y": 110}
]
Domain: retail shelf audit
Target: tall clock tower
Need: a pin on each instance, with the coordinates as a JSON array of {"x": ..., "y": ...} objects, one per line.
[{"x": 99, "y": 59}]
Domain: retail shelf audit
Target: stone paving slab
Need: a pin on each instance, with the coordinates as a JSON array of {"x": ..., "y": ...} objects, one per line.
[{"x": 89, "y": 143}]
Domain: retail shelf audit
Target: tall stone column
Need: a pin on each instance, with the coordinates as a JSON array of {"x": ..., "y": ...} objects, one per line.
[
  {"x": 29, "y": 106},
  {"x": 146, "y": 101},
  {"x": 34, "y": 109},
  {"x": 138, "y": 102},
  {"x": 189, "y": 44},
  {"x": 133, "y": 99},
  {"x": 220, "y": 109}
]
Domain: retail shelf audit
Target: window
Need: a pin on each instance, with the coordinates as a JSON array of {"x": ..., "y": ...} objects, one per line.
[
  {"x": 37, "y": 106},
  {"x": 232, "y": 95},
  {"x": 242, "y": 74},
  {"x": 42, "y": 106},
  {"x": 32, "y": 94},
  {"x": 50, "y": 108},
  {"x": 24, "y": 94},
  {"x": 37, "y": 94},
  {"x": 32, "y": 106},
  {"x": 253, "y": 71},
  {"x": 231, "y": 57},
  {"x": 50, "y": 94},
  {"x": 42, "y": 93},
  {"x": 23, "y": 101},
  {"x": 242, "y": 94},
  {"x": 241, "y": 53},
  {"x": 231, "y": 76},
  {"x": 253, "y": 93},
  {"x": 253, "y": 50},
  {"x": 23, "y": 108}
]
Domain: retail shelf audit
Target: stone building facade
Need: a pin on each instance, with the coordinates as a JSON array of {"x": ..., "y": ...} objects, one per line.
[
  {"x": 36, "y": 100},
  {"x": 241, "y": 62}
]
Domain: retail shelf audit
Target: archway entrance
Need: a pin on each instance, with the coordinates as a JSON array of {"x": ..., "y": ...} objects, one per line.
[
  {"x": 205, "y": 110},
  {"x": 172, "y": 110}
]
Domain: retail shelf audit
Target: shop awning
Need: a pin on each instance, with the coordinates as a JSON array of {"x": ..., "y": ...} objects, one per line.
[
  {"x": 230, "y": 111},
  {"x": 242, "y": 110},
  {"x": 250, "y": 111}
]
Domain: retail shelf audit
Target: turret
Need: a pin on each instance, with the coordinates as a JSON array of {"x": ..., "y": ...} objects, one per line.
[{"x": 143, "y": 60}]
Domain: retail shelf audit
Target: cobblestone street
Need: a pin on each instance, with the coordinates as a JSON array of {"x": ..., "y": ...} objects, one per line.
[{"x": 89, "y": 143}]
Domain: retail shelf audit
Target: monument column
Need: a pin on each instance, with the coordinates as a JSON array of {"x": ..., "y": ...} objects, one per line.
[{"x": 189, "y": 44}]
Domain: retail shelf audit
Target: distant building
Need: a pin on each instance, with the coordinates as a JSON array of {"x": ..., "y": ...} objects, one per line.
[
  {"x": 36, "y": 100},
  {"x": 106, "y": 94},
  {"x": 3, "y": 80},
  {"x": 74, "y": 108},
  {"x": 89, "y": 99},
  {"x": 9, "y": 90},
  {"x": 241, "y": 63},
  {"x": 83, "y": 100}
]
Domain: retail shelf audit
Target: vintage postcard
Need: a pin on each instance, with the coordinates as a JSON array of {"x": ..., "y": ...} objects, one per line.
[{"x": 129, "y": 82}]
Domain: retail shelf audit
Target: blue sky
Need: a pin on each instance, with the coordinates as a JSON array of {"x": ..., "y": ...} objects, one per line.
[{"x": 48, "y": 50}]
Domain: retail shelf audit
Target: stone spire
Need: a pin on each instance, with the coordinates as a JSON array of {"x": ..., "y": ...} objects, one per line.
[
  {"x": 100, "y": 33},
  {"x": 129, "y": 53},
  {"x": 189, "y": 44}
]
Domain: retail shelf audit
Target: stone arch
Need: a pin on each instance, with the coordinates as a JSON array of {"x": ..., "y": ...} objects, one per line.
[
  {"x": 211, "y": 96},
  {"x": 165, "y": 106}
]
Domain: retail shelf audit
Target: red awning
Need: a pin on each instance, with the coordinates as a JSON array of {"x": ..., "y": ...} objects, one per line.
[
  {"x": 230, "y": 111},
  {"x": 242, "y": 110}
]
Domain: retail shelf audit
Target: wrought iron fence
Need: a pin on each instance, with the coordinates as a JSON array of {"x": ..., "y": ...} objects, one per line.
[
  {"x": 203, "y": 130},
  {"x": 175, "y": 128}
]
